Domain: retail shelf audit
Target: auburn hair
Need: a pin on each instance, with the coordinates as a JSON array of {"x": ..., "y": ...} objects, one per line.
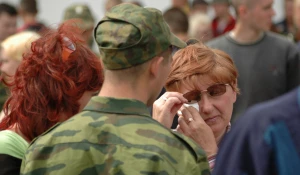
[
  {"x": 47, "y": 85},
  {"x": 197, "y": 60}
]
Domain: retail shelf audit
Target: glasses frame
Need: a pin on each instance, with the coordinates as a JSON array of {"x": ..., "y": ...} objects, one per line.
[{"x": 200, "y": 92}]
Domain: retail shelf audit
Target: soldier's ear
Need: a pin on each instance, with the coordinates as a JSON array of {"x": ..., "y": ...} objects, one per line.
[{"x": 155, "y": 66}]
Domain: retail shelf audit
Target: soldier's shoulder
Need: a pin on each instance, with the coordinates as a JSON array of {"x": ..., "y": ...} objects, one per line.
[{"x": 192, "y": 147}]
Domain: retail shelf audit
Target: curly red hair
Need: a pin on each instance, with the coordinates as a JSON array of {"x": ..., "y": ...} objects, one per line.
[{"x": 45, "y": 85}]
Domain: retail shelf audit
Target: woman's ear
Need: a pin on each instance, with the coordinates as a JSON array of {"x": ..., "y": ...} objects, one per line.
[{"x": 235, "y": 89}]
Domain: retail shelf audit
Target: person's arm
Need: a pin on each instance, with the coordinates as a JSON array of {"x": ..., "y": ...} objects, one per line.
[
  {"x": 293, "y": 68},
  {"x": 9, "y": 165}
]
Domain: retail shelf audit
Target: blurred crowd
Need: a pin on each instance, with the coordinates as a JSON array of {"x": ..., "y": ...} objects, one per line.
[{"x": 189, "y": 92}]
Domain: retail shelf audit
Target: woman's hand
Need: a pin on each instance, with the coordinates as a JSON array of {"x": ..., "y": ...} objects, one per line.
[
  {"x": 165, "y": 108},
  {"x": 191, "y": 124}
]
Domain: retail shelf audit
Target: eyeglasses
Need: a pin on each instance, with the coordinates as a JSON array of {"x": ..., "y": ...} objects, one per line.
[{"x": 213, "y": 91}]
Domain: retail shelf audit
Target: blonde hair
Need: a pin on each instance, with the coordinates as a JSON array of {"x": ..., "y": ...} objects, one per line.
[
  {"x": 198, "y": 20},
  {"x": 17, "y": 44},
  {"x": 197, "y": 60}
]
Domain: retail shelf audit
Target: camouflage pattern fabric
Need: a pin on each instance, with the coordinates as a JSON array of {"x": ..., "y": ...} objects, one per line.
[
  {"x": 129, "y": 35},
  {"x": 113, "y": 136},
  {"x": 80, "y": 11}
]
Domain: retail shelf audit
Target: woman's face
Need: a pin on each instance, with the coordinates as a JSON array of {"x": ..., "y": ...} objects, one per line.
[{"x": 216, "y": 111}]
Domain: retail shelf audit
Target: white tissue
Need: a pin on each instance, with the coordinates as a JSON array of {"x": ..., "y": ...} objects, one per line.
[{"x": 195, "y": 105}]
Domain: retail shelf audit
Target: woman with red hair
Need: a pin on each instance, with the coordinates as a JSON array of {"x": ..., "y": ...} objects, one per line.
[
  {"x": 55, "y": 80},
  {"x": 207, "y": 78}
]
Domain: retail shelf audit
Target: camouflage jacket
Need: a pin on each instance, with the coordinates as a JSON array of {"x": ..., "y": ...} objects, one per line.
[{"x": 113, "y": 136}]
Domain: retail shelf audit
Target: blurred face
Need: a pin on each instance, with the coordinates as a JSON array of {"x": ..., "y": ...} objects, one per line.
[
  {"x": 216, "y": 110},
  {"x": 179, "y": 3},
  {"x": 8, "y": 66},
  {"x": 204, "y": 33},
  {"x": 83, "y": 101},
  {"x": 220, "y": 9},
  {"x": 260, "y": 15},
  {"x": 200, "y": 8},
  {"x": 8, "y": 25}
]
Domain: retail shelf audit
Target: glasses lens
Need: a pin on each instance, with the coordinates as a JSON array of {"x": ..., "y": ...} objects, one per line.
[
  {"x": 216, "y": 90},
  {"x": 193, "y": 96}
]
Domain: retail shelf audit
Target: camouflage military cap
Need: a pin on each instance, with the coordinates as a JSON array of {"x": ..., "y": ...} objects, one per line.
[
  {"x": 80, "y": 11},
  {"x": 130, "y": 35}
]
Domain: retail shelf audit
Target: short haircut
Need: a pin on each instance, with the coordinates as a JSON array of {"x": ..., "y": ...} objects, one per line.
[
  {"x": 236, "y": 3},
  {"x": 29, "y": 6},
  {"x": 177, "y": 20},
  {"x": 9, "y": 9},
  {"x": 197, "y": 60},
  {"x": 198, "y": 20},
  {"x": 199, "y": 2},
  {"x": 111, "y": 3}
]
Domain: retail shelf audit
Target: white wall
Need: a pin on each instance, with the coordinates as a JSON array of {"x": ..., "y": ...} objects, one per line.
[{"x": 51, "y": 11}]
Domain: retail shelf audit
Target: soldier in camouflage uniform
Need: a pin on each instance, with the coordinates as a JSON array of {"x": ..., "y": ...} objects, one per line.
[
  {"x": 115, "y": 133},
  {"x": 83, "y": 13}
]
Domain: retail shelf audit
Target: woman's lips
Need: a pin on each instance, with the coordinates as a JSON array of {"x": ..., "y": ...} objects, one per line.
[{"x": 211, "y": 120}]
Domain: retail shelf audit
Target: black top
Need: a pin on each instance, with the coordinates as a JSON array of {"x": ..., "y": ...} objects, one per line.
[{"x": 9, "y": 165}]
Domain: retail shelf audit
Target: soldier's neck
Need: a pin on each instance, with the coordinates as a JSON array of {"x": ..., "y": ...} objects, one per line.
[{"x": 123, "y": 90}]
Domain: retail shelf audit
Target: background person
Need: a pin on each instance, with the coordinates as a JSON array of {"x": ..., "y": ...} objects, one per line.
[
  {"x": 86, "y": 23},
  {"x": 178, "y": 22},
  {"x": 8, "y": 26},
  {"x": 111, "y": 3},
  {"x": 199, "y": 6},
  {"x": 267, "y": 62},
  {"x": 69, "y": 74},
  {"x": 8, "y": 20},
  {"x": 11, "y": 55},
  {"x": 28, "y": 11},
  {"x": 223, "y": 21},
  {"x": 200, "y": 27},
  {"x": 12, "y": 50}
]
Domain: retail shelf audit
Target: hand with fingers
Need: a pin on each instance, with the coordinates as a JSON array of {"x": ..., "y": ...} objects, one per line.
[
  {"x": 165, "y": 108},
  {"x": 191, "y": 124}
]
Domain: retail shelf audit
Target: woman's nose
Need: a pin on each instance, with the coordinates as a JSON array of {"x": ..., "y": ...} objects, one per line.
[{"x": 205, "y": 104}]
